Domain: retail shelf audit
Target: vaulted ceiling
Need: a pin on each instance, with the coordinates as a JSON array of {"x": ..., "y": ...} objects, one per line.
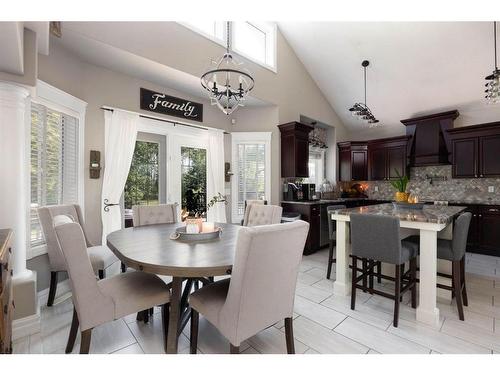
[{"x": 415, "y": 68}]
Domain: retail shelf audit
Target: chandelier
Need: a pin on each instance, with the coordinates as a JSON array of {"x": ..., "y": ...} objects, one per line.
[
  {"x": 361, "y": 110},
  {"x": 226, "y": 82},
  {"x": 493, "y": 85}
]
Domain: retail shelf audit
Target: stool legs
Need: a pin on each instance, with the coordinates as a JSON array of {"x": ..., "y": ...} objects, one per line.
[
  {"x": 462, "y": 274},
  {"x": 397, "y": 293},
  {"x": 353, "y": 282},
  {"x": 457, "y": 287},
  {"x": 330, "y": 261}
]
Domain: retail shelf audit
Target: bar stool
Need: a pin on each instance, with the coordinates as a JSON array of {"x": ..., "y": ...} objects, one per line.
[{"x": 376, "y": 238}]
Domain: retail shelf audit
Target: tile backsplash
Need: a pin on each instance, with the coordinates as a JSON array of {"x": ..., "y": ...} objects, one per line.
[{"x": 435, "y": 183}]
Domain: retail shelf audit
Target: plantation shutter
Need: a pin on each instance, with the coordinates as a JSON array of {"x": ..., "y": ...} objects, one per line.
[{"x": 251, "y": 173}]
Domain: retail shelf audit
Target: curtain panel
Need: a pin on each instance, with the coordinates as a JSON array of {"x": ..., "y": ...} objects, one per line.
[{"x": 215, "y": 175}]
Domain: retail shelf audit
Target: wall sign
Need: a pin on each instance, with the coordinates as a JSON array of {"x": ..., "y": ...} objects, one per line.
[{"x": 170, "y": 105}]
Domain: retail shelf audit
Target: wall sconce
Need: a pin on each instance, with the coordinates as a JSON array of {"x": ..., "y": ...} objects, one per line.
[
  {"x": 227, "y": 172},
  {"x": 95, "y": 164}
]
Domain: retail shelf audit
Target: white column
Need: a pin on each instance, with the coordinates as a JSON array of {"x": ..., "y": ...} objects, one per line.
[
  {"x": 427, "y": 312},
  {"x": 342, "y": 285},
  {"x": 14, "y": 157}
]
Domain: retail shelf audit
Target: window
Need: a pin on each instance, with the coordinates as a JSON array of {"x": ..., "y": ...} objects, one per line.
[
  {"x": 316, "y": 168},
  {"x": 54, "y": 163},
  {"x": 214, "y": 30},
  {"x": 256, "y": 41},
  {"x": 252, "y": 164},
  {"x": 194, "y": 181}
]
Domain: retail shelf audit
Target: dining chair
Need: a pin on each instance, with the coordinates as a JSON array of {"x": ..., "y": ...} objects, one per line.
[
  {"x": 159, "y": 214},
  {"x": 258, "y": 214},
  {"x": 100, "y": 256},
  {"x": 454, "y": 251},
  {"x": 332, "y": 235},
  {"x": 100, "y": 301},
  {"x": 261, "y": 289},
  {"x": 377, "y": 238},
  {"x": 249, "y": 202}
]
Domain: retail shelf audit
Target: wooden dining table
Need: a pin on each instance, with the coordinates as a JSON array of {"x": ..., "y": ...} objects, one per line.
[{"x": 150, "y": 249}]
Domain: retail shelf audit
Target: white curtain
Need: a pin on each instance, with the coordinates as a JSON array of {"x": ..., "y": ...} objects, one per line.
[
  {"x": 215, "y": 175},
  {"x": 119, "y": 138}
]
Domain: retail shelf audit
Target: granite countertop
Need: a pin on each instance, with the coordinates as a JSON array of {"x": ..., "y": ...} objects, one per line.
[
  {"x": 429, "y": 214},
  {"x": 324, "y": 201}
]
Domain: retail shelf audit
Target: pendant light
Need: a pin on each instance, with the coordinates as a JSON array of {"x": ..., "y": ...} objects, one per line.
[
  {"x": 361, "y": 110},
  {"x": 493, "y": 85}
]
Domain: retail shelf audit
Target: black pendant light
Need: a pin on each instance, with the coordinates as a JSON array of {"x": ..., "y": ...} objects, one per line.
[
  {"x": 493, "y": 85},
  {"x": 361, "y": 110}
]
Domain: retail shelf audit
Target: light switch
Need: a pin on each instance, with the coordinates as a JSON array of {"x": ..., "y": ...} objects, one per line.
[
  {"x": 491, "y": 189},
  {"x": 376, "y": 188}
]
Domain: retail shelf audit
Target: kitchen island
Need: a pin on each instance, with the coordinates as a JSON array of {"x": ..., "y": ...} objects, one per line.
[{"x": 429, "y": 221}]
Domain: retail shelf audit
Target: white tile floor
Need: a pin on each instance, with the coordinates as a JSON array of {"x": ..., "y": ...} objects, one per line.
[{"x": 323, "y": 323}]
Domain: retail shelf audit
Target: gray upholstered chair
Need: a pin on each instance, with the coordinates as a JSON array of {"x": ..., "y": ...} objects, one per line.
[
  {"x": 100, "y": 256},
  {"x": 332, "y": 235},
  {"x": 160, "y": 214},
  {"x": 454, "y": 251},
  {"x": 259, "y": 214},
  {"x": 377, "y": 238},
  {"x": 100, "y": 301},
  {"x": 261, "y": 289}
]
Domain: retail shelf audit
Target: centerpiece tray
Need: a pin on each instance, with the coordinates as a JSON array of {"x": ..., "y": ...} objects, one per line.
[
  {"x": 408, "y": 206},
  {"x": 181, "y": 234}
]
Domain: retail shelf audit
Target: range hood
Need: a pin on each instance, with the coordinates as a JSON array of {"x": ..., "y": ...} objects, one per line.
[{"x": 430, "y": 143}]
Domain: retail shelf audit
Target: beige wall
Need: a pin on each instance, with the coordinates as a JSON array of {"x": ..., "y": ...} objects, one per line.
[{"x": 30, "y": 62}]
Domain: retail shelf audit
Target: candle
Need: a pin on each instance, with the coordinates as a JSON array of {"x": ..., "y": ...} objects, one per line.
[{"x": 208, "y": 227}]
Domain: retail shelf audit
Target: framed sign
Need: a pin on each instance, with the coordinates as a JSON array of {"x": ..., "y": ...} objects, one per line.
[{"x": 170, "y": 105}]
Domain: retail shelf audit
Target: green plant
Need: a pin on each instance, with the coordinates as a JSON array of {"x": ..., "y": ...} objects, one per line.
[
  {"x": 219, "y": 198},
  {"x": 400, "y": 183}
]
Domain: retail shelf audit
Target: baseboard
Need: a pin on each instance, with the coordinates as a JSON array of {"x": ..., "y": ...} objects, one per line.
[
  {"x": 26, "y": 326},
  {"x": 63, "y": 288}
]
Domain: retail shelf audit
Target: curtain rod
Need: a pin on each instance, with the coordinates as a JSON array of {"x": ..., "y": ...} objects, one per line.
[{"x": 104, "y": 108}]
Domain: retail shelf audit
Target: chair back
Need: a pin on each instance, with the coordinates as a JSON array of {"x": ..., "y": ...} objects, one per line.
[
  {"x": 460, "y": 234},
  {"x": 259, "y": 214},
  {"x": 263, "y": 279},
  {"x": 149, "y": 215},
  {"x": 376, "y": 237},
  {"x": 92, "y": 306},
  {"x": 332, "y": 225},
  {"x": 46, "y": 216}
]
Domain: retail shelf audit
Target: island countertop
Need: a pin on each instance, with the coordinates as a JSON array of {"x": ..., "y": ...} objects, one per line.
[{"x": 429, "y": 214}]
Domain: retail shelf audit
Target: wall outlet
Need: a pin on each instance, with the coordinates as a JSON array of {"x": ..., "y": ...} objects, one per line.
[
  {"x": 376, "y": 188},
  {"x": 491, "y": 189}
]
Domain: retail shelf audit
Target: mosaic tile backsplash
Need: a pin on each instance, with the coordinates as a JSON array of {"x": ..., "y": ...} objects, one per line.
[{"x": 435, "y": 183}]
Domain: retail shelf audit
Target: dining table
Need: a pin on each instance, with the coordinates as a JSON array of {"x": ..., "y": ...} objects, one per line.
[
  {"x": 151, "y": 249},
  {"x": 429, "y": 221}
]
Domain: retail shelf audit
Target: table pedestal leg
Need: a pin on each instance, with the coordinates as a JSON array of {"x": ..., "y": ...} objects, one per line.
[
  {"x": 175, "y": 307},
  {"x": 342, "y": 285},
  {"x": 427, "y": 312}
]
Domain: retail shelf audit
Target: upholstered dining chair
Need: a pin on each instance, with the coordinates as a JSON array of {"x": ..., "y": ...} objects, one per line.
[
  {"x": 454, "y": 251},
  {"x": 100, "y": 256},
  {"x": 159, "y": 214},
  {"x": 261, "y": 289},
  {"x": 259, "y": 214},
  {"x": 249, "y": 202},
  {"x": 101, "y": 301}
]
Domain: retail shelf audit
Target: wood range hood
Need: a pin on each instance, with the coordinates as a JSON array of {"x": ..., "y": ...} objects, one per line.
[{"x": 430, "y": 143}]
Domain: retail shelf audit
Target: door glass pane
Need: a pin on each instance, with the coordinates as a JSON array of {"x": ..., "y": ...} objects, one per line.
[
  {"x": 142, "y": 184},
  {"x": 194, "y": 181}
]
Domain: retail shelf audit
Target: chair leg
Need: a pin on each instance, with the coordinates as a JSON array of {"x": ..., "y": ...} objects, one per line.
[
  {"x": 456, "y": 284},
  {"x": 165, "y": 315},
  {"x": 72, "y": 333},
  {"x": 413, "y": 280},
  {"x": 462, "y": 274},
  {"x": 397, "y": 293},
  {"x": 85, "y": 343},
  {"x": 102, "y": 274},
  {"x": 371, "y": 264},
  {"x": 234, "y": 349},
  {"x": 52, "y": 288},
  {"x": 364, "y": 267},
  {"x": 193, "y": 337},
  {"x": 290, "y": 345},
  {"x": 123, "y": 267},
  {"x": 379, "y": 272},
  {"x": 353, "y": 281},
  {"x": 330, "y": 261}
]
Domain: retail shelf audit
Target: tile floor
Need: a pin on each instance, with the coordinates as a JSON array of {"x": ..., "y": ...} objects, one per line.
[{"x": 323, "y": 323}]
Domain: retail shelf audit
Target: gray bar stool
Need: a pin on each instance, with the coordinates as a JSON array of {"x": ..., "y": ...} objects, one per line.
[{"x": 376, "y": 238}]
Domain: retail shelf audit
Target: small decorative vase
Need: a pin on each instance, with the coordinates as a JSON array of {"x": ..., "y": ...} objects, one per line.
[{"x": 401, "y": 196}]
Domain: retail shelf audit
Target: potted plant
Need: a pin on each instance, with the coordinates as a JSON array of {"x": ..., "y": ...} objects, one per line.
[{"x": 400, "y": 184}]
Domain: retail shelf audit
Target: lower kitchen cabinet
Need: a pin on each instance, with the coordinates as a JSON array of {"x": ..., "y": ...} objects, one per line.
[{"x": 312, "y": 214}]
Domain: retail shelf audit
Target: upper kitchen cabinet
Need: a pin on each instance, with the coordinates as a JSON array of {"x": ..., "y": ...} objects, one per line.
[
  {"x": 430, "y": 142},
  {"x": 353, "y": 161},
  {"x": 476, "y": 151},
  {"x": 295, "y": 149},
  {"x": 387, "y": 158}
]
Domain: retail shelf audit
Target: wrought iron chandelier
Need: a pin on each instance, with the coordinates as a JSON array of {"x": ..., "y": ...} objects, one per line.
[
  {"x": 493, "y": 85},
  {"x": 361, "y": 110},
  {"x": 227, "y": 83}
]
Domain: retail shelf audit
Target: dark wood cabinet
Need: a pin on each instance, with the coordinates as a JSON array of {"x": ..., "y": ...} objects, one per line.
[
  {"x": 387, "y": 158},
  {"x": 476, "y": 151},
  {"x": 312, "y": 214},
  {"x": 353, "y": 161},
  {"x": 295, "y": 149}
]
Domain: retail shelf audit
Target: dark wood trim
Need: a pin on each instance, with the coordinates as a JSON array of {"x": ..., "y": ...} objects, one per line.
[{"x": 435, "y": 116}]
